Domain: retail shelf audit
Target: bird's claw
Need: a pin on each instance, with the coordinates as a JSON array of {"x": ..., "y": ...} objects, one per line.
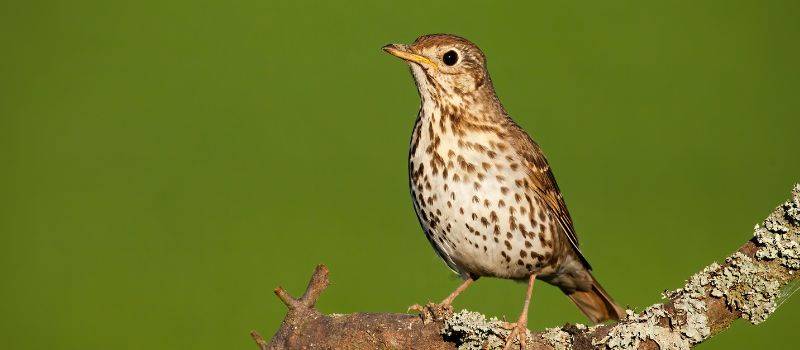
[
  {"x": 416, "y": 308},
  {"x": 432, "y": 311},
  {"x": 518, "y": 330}
]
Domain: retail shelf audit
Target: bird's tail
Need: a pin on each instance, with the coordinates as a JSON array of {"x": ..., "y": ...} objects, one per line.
[{"x": 596, "y": 304}]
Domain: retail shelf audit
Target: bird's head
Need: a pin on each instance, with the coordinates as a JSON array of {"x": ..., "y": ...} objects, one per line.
[{"x": 444, "y": 64}]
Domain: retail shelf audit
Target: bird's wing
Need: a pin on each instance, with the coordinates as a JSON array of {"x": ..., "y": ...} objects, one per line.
[{"x": 545, "y": 186}]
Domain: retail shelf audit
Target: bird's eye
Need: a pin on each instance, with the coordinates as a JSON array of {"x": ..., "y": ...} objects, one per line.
[{"x": 450, "y": 58}]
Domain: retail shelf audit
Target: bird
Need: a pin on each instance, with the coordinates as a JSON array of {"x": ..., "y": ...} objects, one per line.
[{"x": 481, "y": 187}]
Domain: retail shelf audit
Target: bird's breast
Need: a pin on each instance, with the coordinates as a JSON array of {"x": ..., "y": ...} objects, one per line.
[{"x": 472, "y": 195}]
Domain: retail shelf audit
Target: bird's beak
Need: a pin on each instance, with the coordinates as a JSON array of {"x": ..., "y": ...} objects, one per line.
[{"x": 402, "y": 51}]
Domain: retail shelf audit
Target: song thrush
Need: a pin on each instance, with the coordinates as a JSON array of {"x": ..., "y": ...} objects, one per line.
[{"x": 482, "y": 189}]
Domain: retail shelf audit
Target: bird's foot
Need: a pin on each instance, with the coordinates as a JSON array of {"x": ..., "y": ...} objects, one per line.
[
  {"x": 519, "y": 330},
  {"x": 432, "y": 311}
]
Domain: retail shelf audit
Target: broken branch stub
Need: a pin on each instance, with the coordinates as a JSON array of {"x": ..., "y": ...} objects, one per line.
[{"x": 317, "y": 284}]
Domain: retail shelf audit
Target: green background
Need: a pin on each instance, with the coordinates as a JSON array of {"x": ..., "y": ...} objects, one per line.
[{"x": 165, "y": 165}]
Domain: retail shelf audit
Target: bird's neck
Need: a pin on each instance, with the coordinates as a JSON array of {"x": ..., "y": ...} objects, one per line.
[
  {"x": 451, "y": 112},
  {"x": 446, "y": 124}
]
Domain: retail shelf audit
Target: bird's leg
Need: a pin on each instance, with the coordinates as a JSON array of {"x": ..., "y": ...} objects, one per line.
[
  {"x": 440, "y": 311},
  {"x": 520, "y": 328},
  {"x": 449, "y": 300}
]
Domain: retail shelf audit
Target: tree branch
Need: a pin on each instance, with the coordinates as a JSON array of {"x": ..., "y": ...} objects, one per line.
[{"x": 751, "y": 283}]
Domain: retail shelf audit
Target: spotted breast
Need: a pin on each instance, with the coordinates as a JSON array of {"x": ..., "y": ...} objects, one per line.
[{"x": 472, "y": 193}]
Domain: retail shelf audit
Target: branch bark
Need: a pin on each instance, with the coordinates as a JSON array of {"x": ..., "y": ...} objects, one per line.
[{"x": 751, "y": 283}]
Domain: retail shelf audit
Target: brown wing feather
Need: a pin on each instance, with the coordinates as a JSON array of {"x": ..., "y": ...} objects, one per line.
[{"x": 544, "y": 184}]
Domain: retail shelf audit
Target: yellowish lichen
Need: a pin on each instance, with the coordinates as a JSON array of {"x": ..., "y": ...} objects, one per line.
[
  {"x": 690, "y": 305},
  {"x": 636, "y": 328},
  {"x": 472, "y": 331},
  {"x": 558, "y": 338},
  {"x": 779, "y": 235},
  {"x": 748, "y": 287}
]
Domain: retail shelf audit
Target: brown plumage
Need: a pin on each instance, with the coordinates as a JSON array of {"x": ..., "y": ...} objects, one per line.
[{"x": 482, "y": 188}]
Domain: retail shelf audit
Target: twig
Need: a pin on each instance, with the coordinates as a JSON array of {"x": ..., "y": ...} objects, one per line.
[{"x": 262, "y": 344}]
